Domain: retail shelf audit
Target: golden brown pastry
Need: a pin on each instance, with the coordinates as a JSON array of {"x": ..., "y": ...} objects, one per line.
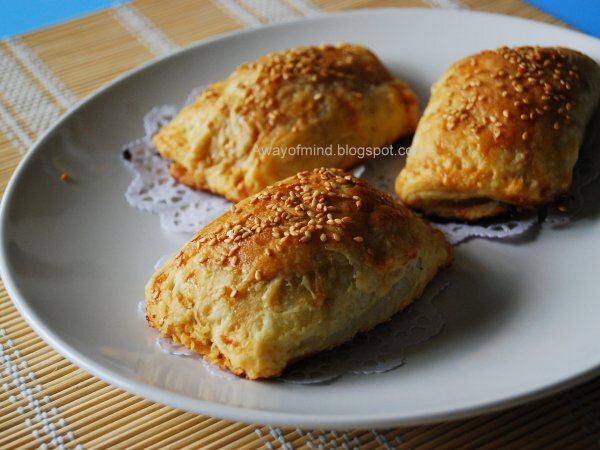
[
  {"x": 309, "y": 97},
  {"x": 298, "y": 268},
  {"x": 503, "y": 127}
]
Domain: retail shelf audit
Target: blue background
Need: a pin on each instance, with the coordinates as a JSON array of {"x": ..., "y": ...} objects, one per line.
[
  {"x": 581, "y": 14},
  {"x": 21, "y": 16}
]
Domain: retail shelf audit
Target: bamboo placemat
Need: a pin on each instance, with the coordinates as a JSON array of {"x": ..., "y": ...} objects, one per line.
[{"x": 47, "y": 402}]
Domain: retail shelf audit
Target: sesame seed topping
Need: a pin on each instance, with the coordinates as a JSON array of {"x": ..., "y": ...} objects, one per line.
[
  {"x": 536, "y": 81},
  {"x": 299, "y": 210},
  {"x": 351, "y": 66}
]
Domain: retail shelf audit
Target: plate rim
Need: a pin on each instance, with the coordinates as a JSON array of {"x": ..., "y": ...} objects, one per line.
[{"x": 226, "y": 411}]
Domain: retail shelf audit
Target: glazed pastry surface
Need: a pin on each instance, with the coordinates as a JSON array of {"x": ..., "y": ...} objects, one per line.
[
  {"x": 502, "y": 128},
  {"x": 301, "y": 267},
  {"x": 231, "y": 140}
]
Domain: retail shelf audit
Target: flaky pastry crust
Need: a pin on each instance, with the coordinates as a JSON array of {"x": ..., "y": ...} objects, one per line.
[
  {"x": 310, "y": 97},
  {"x": 301, "y": 267},
  {"x": 502, "y": 128}
]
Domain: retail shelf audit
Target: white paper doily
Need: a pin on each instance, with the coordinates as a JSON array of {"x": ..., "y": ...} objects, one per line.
[{"x": 182, "y": 209}]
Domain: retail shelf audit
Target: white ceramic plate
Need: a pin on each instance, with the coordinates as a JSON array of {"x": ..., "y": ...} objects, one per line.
[{"x": 521, "y": 319}]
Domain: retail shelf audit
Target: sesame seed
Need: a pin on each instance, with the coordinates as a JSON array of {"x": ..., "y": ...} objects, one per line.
[
  {"x": 524, "y": 136},
  {"x": 536, "y": 80},
  {"x": 234, "y": 293},
  {"x": 258, "y": 275},
  {"x": 358, "y": 238},
  {"x": 304, "y": 208}
]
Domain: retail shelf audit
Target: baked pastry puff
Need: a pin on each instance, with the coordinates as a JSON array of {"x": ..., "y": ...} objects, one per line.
[
  {"x": 503, "y": 128},
  {"x": 301, "y": 267},
  {"x": 285, "y": 113}
]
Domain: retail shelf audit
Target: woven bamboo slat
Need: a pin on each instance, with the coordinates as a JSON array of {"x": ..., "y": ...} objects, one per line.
[{"x": 46, "y": 402}]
